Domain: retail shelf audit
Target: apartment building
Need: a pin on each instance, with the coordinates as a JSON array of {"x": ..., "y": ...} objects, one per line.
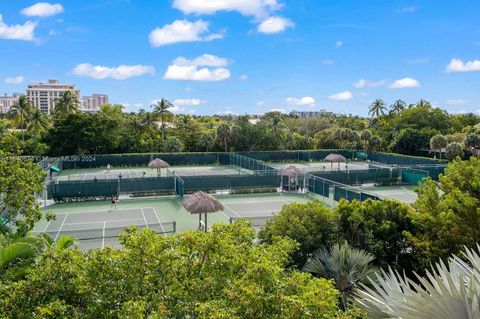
[
  {"x": 45, "y": 95},
  {"x": 91, "y": 104},
  {"x": 7, "y": 101},
  {"x": 306, "y": 114}
]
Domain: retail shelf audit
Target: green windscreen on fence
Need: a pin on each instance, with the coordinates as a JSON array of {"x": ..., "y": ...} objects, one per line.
[
  {"x": 357, "y": 177},
  {"x": 250, "y": 164},
  {"x": 229, "y": 182},
  {"x": 84, "y": 190},
  {"x": 147, "y": 185},
  {"x": 179, "y": 186},
  {"x": 413, "y": 176}
]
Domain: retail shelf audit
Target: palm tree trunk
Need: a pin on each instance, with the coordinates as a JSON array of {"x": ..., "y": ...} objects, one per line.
[{"x": 225, "y": 144}]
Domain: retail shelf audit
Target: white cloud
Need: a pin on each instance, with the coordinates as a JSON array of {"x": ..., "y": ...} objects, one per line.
[
  {"x": 206, "y": 68},
  {"x": 274, "y": 25},
  {"x": 257, "y": 8},
  {"x": 14, "y": 80},
  {"x": 42, "y": 9},
  {"x": 405, "y": 83},
  {"x": 260, "y": 103},
  {"x": 342, "y": 96},
  {"x": 277, "y": 110},
  {"x": 304, "y": 101},
  {"x": 457, "y": 65},
  {"x": 120, "y": 72},
  {"x": 17, "y": 31},
  {"x": 182, "y": 31},
  {"x": 328, "y": 62},
  {"x": 188, "y": 102},
  {"x": 338, "y": 44},
  {"x": 243, "y": 77},
  {"x": 410, "y": 9},
  {"x": 457, "y": 102},
  {"x": 362, "y": 83}
]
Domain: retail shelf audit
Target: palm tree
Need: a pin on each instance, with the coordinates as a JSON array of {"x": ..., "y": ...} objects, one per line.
[
  {"x": 423, "y": 103},
  {"x": 346, "y": 265},
  {"x": 437, "y": 142},
  {"x": 449, "y": 290},
  {"x": 397, "y": 107},
  {"x": 67, "y": 104},
  {"x": 472, "y": 140},
  {"x": 277, "y": 128},
  {"x": 20, "y": 113},
  {"x": 366, "y": 136},
  {"x": 223, "y": 135},
  {"x": 147, "y": 120},
  {"x": 454, "y": 150},
  {"x": 376, "y": 142},
  {"x": 38, "y": 122},
  {"x": 205, "y": 141},
  {"x": 377, "y": 109},
  {"x": 160, "y": 109}
]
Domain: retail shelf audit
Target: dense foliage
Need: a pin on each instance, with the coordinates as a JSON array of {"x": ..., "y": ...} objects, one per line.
[
  {"x": 398, "y": 128},
  {"x": 220, "y": 274}
]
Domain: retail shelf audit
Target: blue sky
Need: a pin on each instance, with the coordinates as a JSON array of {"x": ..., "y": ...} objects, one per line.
[{"x": 239, "y": 56}]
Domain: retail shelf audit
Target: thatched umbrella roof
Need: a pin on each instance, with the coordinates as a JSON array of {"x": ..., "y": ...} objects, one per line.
[
  {"x": 201, "y": 203},
  {"x": 335, "y": 158},
  {"x": 291, "y": 171},
  {"x": 158, "y": 163}
]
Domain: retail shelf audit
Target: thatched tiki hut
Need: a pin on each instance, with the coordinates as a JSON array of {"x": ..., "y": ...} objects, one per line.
[
  {"x": 335, "y": 158},
  {"x": 293, "y": 173},
  {"x": 158, "y": 164},
  {"x": 202, "y": 203}
]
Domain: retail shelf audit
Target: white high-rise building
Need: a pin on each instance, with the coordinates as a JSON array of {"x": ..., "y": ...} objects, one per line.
[
  {"x": 6, "y": 102},
  {"x": 91, "y": 104},
  {"x": 45, "y": 95}
]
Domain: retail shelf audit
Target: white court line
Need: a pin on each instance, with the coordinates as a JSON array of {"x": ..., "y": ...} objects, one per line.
[
  {"x": 161, "y": 226},
  {"x": 260, "y": 201},
  {"x": 103, "y": 234},
  {"x": 226, "y": 216},
  {"x": 100, "y": 221},
  {"x": 60, "y": 229},
  {"x": 109, "y": 211},
  {"x": 144, "y": 218},
  {"x": 48, "y": 224},
  {"x": 226, "y": 206}
]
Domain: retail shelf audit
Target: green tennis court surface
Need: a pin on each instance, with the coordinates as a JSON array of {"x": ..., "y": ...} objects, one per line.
[
  {"x": 136, "y": 172},
  {"x": 96, "y": 224},
  {"x": 322, "y": 166}
]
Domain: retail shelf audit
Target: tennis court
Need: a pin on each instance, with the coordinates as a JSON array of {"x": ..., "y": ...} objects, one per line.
[
  {"x": 137, "y": 172},
  {"x": 307, "y": 167},
  {"x": 95, "y": 229},
  {"x": 95, "y": 224},
  {"x": 404, "y": 194}
]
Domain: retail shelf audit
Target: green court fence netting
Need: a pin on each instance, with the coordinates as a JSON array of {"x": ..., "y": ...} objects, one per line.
[{"x": 252, "y": 164}]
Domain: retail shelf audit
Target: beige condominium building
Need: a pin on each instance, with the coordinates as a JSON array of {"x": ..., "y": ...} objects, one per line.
[
  {"x": 91, "y": 104},
  {"x": 7, "y": 101},
  {"x": 45, "y": 95}
]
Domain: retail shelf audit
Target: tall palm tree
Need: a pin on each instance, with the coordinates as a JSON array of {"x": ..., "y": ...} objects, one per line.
[
  {"x": 449, "y": 290},
  {"x": 397, "y": 107},
  {"x": 224, "y": 135},
  {"x": 160, "y": 109},
  {"x": 346, "y": 265},
  {"x": 437, "y": 142},
  {"x": 366, "y": 136},
  {"x": 20, "y": 113},
  {"x": 423, "y": 103},
  {"x": 377, "y": 108},
  {"x": 277, "y": 128},
  {"x": 147, "y": 120},
  {"x": 38, "y": 122},
  {"x": 67, "y": 104}
]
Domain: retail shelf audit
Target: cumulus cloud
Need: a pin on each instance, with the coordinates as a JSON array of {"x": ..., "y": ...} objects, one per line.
[
  {"x": 120, "y": 72},
  {"x": 257, "y": 8},
  {"x": 42, "y": 9},
  {"x": 188, "y": 102},
  {"x": 14, "y": 80},
  {"x": 362, "y": 83},
  {"x": 274, "y": 25},
  {"x": 206, "y": 68},
  {"x": 23, "y": 32},
  {"x": 457, "y": 65},
  {"x": 304, "y": 101},
  {"x": 182, "y": 31},
  {"x": 405, "y": 83},
  {"x": 342, "y": 96}
]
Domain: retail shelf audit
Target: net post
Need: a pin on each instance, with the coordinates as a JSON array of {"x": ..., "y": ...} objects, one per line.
[{"x": 174, "y": 226}]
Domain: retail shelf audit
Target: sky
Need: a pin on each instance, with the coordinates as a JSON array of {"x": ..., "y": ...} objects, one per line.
[{"x": 248, "y": 56}]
